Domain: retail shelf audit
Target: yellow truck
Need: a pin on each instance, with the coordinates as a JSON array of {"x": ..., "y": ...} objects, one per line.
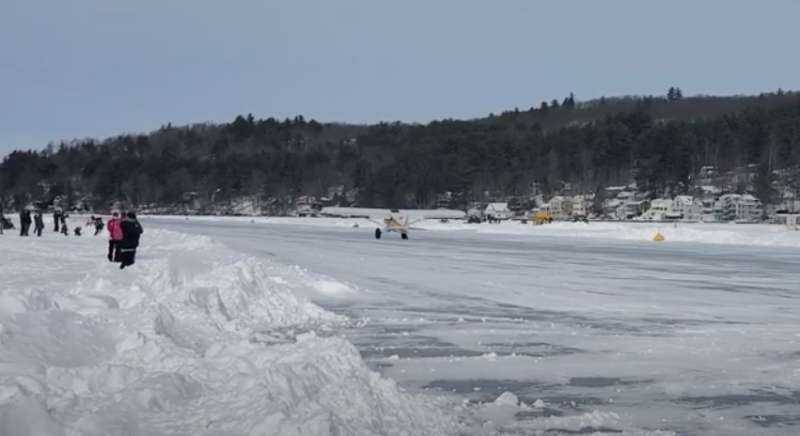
[{"x": 541, "y": 217}]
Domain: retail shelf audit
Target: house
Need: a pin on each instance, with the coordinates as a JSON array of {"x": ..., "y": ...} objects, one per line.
[
  {"x": 497, "y": 211},
  {"x": 560, "y": 208},
  {"x": 630, "y": 209},
  {"x": 736, "y": 207},
  {"x": 610, "y": 206},
  {"x": 307, "y": 205},
  {"x": 659, "y": 210},
  {"x": 687, "y": 208},
  {"x": 708, "y": 196},
  {"x": 581, "y": 205}
]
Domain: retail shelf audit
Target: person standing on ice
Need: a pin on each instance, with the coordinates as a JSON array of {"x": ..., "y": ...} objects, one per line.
[
  {"x": 24, "y": 222},
  {"x": 114, "y": 236},
  {"x": 56, "y": 218},
  {"x": 97, "y": 222},
  {"x": 64, "y": 217},
  {"x": 131, "y": 231},
  {"x": 5, "y": 223},
  {"x": 38, "y": 221}
]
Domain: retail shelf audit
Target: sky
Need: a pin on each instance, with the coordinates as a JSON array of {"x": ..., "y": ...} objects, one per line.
[{"x": 98, "y": 68}]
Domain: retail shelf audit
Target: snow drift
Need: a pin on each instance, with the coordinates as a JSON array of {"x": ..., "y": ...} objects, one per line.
[{"x": 193, "y": 340}]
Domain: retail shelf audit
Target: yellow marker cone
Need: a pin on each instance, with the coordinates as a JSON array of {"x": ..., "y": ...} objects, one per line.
[{"x": 658, "y": 237}]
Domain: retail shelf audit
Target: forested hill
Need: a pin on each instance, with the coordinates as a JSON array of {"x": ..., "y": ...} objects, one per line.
[{"x": 660, "y": 142}]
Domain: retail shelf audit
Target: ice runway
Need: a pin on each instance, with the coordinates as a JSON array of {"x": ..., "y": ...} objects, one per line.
[{"x": 689, "y": 337}]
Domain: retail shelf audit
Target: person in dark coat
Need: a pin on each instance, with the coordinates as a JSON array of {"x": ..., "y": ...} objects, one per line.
[
  {"x": 5, "y": 223},
  {"x": 131, "y": 231},
  {"x": 24, "y": 222},
  {"x": 56, "y": 218},
  {"x": 38, "y": 221},
  {"x": 63, "y": 217},
  {"x": 98, "y": 225}
]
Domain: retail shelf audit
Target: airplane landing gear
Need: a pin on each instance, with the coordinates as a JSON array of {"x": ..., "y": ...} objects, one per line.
[
  {"x": 377, "y": 233},
  {"x": 403, "y": 235}
]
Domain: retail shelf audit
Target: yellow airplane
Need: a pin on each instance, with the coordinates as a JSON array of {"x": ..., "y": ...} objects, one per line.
[
  {"x": 393, "y": 220},
  {"x": 394, "y": 223}
]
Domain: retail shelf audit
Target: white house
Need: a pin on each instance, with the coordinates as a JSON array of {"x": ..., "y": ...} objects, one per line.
[
  {"x": 581, "y": 205},
  {"x": 561, "y": 207},
  {"x": 629, "y": 210},
  {"x": 660, "y": 210},
  {"x": 498, "y": 211},
  {"x": 610, "y": 206},
  {"x": 687, "y": 208},
  {"x": 735, "y": 207}
]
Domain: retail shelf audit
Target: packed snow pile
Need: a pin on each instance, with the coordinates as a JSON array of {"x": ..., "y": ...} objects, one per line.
[{"x": 192, "y": 340}]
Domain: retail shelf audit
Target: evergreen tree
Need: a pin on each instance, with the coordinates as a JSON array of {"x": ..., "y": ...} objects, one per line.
[{"x": 569, "y": 101}]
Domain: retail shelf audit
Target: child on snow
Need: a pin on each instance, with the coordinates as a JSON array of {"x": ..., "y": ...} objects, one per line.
[{"x": 114, "y": 236}]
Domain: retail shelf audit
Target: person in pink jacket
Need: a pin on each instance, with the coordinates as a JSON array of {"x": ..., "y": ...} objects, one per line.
[{"x": 114, "y": 235}]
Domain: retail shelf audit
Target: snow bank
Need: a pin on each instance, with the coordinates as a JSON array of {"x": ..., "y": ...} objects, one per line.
[
  {"x": 730, "y": 234},
  {"x": 193, "y": 340}
]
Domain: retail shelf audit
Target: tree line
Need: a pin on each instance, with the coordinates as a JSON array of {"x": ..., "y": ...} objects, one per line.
[{"x": 660, "y": 142}]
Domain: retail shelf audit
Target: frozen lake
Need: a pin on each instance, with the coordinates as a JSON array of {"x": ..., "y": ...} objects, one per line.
[{"x": 690, "y": 337}]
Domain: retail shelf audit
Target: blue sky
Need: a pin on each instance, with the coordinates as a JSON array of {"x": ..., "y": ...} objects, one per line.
[{"x": 95, "y": 68}]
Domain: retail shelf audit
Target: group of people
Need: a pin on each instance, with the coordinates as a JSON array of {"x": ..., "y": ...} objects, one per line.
[
  {"x": 124, "y": 231},
  {"x": 124, "y": 234},
  {"x": 60, "y": 222},
  {"x": 25, "y": 221}
]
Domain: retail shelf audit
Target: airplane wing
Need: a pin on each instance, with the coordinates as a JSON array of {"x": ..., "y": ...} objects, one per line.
[
  {"x": 409, "y": 216},
  {"x": 355, "y": 212},
  {"x": 374, "y": 216}
]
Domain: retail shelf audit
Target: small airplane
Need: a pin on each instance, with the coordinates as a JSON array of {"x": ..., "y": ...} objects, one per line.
[{"x": 393, "y": 220}]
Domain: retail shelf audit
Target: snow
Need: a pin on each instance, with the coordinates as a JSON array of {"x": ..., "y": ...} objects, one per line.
[
  {"x": 766, "y": 235},
  {"x": 195, "y": 339},
  {"x": 333, "y": 288},
  {"x": 311, "y": 326},
  {"x": 611, "y": 331}
]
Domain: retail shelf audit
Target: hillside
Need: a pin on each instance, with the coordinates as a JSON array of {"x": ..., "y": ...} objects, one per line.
[{"x": 660, "y": 143}]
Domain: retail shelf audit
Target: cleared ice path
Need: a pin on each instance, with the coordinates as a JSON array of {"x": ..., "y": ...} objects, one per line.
[{"x": 689, "y": 337}]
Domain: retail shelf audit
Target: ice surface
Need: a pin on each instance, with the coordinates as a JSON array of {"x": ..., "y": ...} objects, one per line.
[
  {"x": 611, "y": 331},
  {"x": 707, "y": 233},
  {"x": 269, "y": 325}
]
